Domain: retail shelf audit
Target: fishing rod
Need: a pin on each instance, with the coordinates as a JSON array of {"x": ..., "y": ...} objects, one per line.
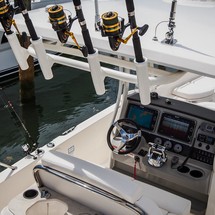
[
  {"x": 37, "y": 43},
  {"x": 92, "y": 54},
  {"x": 6, "y": 16},
  {"x": 7, "y": 12},
  {"x": 113, "y": 27},
  {"x": 28, "y": 21},
  {"x": 62, "y": 26},
  {"x": 15, "y": 116},
  {"x": 133, "y": 26},
  {"x": 83, "y": 25}
]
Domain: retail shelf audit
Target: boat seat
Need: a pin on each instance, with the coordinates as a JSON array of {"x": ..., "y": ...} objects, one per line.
[
  {"x": 200, "y": 89},
  {"x": 150, "y": 199}
]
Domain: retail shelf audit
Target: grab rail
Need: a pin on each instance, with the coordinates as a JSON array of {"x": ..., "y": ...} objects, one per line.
[
  {"x": 8, "y": 166},
  {"x": 85, "y": 185}
]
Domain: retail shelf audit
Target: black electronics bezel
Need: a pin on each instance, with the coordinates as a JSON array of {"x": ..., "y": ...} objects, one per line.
[
  {"x": 143, "y": 108},
  {"x": 189, "y": 133}
]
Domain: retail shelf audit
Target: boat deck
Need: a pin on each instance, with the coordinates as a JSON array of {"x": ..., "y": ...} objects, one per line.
[{"x": 19, "y": 205}]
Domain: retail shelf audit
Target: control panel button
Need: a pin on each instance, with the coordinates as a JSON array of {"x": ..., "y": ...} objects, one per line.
[
  {"x": 207, "y": 147},
  {"x": 177, "y": 148},
  {"x": 168, "y": 144},
  {"x": 201, "y": 137},
  {"x": 158, "y": 140},
  {"x": 200, "y": 145}
]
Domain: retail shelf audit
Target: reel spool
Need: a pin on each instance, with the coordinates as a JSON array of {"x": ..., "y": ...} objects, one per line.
[
  {"x": 3, "y": 7},
  {"x": 6, "y": 16},
  {"x": 59, "y": 23},
  {"x": 112, "y": 27},
  {"x": 111, "y": 24}
]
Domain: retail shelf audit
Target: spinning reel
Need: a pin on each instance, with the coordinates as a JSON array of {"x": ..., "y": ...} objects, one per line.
[
  {"x": 6, "y": 16},
  {"x": 113, "y": 27},
  {"x": 59, "y": 23}
]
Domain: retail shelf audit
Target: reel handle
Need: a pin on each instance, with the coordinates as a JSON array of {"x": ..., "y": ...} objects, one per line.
[
  {"x": 143, "y": 29},
  {"x": 84, "y": 51}
]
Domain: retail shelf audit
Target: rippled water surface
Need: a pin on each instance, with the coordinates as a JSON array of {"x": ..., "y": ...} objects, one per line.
[{"x": 66, "y": 100}]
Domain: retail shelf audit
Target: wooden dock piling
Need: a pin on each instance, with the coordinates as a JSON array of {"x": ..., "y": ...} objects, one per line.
[{"x": 26, "y": 77}]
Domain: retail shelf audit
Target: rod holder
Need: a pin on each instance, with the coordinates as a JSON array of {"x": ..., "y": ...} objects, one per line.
[
  {"x": 96, "y": 72},
  {"x": 143, "y": 81},
  {"x": 44, "y": 61},
  {"x": 20, "y": 53}
]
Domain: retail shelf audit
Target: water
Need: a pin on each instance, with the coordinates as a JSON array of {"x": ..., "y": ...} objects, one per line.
[{"x": 65, "y": 101}]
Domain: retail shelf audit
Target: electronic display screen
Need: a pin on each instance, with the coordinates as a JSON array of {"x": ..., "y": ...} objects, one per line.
[
  {"x": 176, "y": 127},
  {"x": 144, "y": 117}
]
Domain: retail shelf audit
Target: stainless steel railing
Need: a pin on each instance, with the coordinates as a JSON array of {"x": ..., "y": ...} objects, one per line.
[
  {"x": 8, "y": 166},
  {"x": 85, "y": 185}
]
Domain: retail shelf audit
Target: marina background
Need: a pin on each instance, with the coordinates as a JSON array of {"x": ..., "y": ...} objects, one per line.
[{"x": 65, "y": 101}]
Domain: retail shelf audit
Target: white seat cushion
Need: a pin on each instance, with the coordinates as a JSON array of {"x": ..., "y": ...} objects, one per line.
[
  {"x": 103, "y": 178},
  {"x": 199, "y": 88},
  {"x": 166, "y": 200},
  {"x": 151, "y": 199}
]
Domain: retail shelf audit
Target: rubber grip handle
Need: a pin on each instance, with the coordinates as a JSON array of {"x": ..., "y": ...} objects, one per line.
[
  {"x": 22, "y": 5},
  {"x": 76, "y": 2},
  {"x": 130, "y": 5}
]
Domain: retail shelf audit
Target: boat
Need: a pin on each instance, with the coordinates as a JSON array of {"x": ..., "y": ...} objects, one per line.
[{"x": 150, "y": 153}]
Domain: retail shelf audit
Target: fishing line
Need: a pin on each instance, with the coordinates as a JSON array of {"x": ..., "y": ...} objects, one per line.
[{"x": 9, "y": 106}]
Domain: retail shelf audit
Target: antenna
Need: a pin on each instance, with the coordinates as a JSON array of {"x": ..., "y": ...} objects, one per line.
[{"x": 170, "y": 34}]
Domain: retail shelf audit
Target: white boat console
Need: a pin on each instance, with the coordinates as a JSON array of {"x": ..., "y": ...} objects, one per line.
[{"x": 181, "y": 133}]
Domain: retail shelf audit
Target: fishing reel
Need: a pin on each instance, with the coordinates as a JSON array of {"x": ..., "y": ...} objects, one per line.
[
  {"x": 113, "y": 27},
  {"x": 59, "y": 23},
  {"x": 6, "y": 16}
]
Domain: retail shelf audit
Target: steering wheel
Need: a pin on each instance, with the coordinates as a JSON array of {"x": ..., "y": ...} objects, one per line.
[{"x": 123, "y": 136}]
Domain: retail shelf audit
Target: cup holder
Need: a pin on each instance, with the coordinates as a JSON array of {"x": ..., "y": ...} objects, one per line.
[
  {"x": 196, "y": 173},
  {"x": 30, "y": 194},
  {"x": 183, "y": 169}
]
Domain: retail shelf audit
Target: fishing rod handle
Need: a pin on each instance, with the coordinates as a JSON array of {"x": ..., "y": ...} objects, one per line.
[
  {"x": 138, "y": 50},
  {"x": 133, "y": 25},
  {"x": 77, "y": 2},
  {"x": 130, "y": 5},
  {"x": 28, "y": 21},
  {"x": 82, "y": 22}
]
